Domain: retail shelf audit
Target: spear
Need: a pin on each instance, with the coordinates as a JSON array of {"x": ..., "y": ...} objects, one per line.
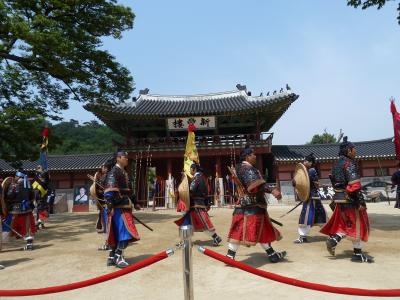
[
  {"x": 298, "y": 204},
  {"x": 13, "y": 230}
]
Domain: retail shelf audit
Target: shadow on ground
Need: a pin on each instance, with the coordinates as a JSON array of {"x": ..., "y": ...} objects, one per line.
[
  {"x": 385, "y": 222},
  {"x": 12, "y": 262},
  {"x": 259, "y": 259}
]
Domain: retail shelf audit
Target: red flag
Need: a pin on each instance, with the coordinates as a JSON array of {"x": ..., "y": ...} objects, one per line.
[
  {"x": 45, "y": 132},
  {"x": 396, "y": 127}
]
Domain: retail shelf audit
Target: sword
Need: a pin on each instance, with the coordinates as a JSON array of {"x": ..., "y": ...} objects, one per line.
[
  {"x": 298, "y": 204},
  {"x": 276, "y": 222},
  {"x": 145, "y": 225},
  {"x": 136, "y": 218}
]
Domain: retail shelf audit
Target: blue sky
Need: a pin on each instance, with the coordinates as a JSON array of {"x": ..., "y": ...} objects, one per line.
[{"x": 343, "y": 62}]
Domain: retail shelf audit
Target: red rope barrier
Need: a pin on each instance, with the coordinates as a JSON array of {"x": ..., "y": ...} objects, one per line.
[
  {"x": 300, "y": 283},
  {"x": 77, "y": 285}
]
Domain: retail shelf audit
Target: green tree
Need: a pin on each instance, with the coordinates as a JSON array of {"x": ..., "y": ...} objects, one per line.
[
  {"x": 325, "y": 138},
  {"x": 20, "y": 138},
  {"x": 50, "y": 53},
  {"x": 73, "y": 138},
  {"x": 368, "y": 3}
]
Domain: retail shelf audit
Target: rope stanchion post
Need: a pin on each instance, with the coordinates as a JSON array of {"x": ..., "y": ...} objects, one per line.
[{"x": 185, "y": 233}]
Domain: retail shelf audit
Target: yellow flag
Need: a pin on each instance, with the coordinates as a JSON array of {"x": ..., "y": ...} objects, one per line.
[{"x": 191, "y": 156}]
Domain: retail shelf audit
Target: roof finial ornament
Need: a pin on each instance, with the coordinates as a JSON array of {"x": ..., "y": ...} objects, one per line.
[
  {"x": 261, "y": 94},
  {"x": 281, "y": 90},
  {"x": 268, "y": 94},
  {"x": 274, "y": 93},
  {"x": 241, "y": 87},
  {"x": 144, "y": 92},
  {"x": 288, "y": 87}
]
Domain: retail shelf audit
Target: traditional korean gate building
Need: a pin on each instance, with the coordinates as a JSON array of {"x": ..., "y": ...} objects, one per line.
[{"x": 155, "y": 129}]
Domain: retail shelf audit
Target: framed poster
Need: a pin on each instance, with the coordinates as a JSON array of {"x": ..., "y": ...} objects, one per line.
[{"x": 81, "y": 199}]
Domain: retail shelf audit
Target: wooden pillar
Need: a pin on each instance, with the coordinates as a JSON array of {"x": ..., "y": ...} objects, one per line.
[
  {"x": 128, "y": 139},
  {"x": 258, "y": 128},
  {"x": 129, "y": 166},
  {"x": 260, "y": 164},
  {"x": 169, "y": 167},
  {"x": 218, "y": 165},
  {"x": 71, "y": 180}
]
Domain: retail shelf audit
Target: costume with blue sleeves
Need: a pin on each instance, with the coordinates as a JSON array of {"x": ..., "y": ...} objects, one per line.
[
  {"x": 313, "y": 212},
  {"x": 121, "y": 229},
  {"x": 120, "y": 220}
]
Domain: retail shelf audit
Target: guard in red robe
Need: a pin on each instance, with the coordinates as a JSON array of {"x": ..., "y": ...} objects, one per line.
[
  {"x": 198, "y": 216},
  {"x": 250, "y": 221},
  {"x": 21, "y": 197},
  {"x": 350, "y": 217}
]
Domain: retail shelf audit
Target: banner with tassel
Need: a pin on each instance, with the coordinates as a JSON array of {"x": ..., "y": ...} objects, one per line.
[{"x": 191, "y": 155}]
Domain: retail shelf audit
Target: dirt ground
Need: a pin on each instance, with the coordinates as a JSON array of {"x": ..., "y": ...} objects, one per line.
[{"x": 67, "y": 252}]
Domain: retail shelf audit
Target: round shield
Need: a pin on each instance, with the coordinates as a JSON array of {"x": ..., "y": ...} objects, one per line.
[
  {"x": 4, "y": 186},
  {"x": 302, "y": 179},
  {"x": 184, "y": 193}
]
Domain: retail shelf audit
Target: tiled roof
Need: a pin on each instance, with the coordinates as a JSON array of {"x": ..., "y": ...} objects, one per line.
[
  {"x": 64, "y": 162},
  {"x": 4, "y": 165},
  {"x": 283, "y": 154},
  {"x": 366, "y": 150},
  {"x": 217, "y": 103}
]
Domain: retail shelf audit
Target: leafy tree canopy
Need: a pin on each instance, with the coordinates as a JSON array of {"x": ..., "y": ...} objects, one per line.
[
  {"x": 368, "y": 3},
  {"x": 325, "y": 138},
  {"x": 90, "y": 137},
  {"x": 50, "y": 53}
]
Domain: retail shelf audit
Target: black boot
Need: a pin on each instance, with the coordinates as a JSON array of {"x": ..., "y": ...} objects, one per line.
[
  {"x": 359, "y": 256},
  {"x": 119, "y": 259},
  {"x": 302, "y": 239},
  {"x": 216, "y": 239},
  {"x": 110, "y": 258},
  {"x": 231, "y": 254},
  {"x": 29, "y": 244},
  {"x": 331, "y": 243},
  {"x": 275, "y": 256}
]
